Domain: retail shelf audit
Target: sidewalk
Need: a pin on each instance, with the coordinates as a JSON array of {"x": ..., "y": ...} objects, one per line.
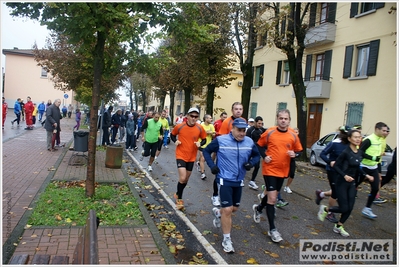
[{"x": 27, "y": 169}]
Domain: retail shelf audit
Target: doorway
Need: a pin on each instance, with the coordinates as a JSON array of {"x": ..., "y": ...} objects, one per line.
[{"x": 314, "y": 123}]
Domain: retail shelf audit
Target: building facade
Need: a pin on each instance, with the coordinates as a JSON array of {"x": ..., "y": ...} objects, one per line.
[
  {"x": 23, "y": 78},
  {"x": 350, "y": 71}
]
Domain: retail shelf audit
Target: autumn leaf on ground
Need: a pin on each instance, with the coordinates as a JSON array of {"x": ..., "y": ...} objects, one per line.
[
  {"x": 172, "y": 249},
  {"x": 206, "y": 232},
  {"x": 58, "y": 217},
  {"x": 252, "y": 261}
]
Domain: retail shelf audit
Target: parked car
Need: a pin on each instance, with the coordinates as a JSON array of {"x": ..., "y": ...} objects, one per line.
[{"x": 320, "y": 144}]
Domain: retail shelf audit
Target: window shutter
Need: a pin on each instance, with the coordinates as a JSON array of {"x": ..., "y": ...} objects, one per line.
[
  {"x": 373, "y": 58},
  {"x": 327, "y": 65},
  {"x": 379, "y": 5},
  {"x": 354, "y": 113},
  {"x": 254, "y": 76},
  {"x": 354, "y": 9},
  {"x": 261, "y": 68},
  {"x": 312, "y": 15},
  {"x": 308, "y": 68},
  {"x": 254, "y": 109},
  {"x": 332, "y": 10},
  {"x": 278, "y": 77},
  {"x": 348, "y": 61}
]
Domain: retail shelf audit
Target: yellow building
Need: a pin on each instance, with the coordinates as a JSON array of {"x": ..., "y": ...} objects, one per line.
[
  {"x": 350, "y": 70},
  {"x": 23, "y": 78}
]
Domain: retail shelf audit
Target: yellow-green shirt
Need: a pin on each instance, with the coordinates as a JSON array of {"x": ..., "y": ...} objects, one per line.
[
  {"x": 165, "y": 123},
  {"x": 207, "y": 128}
]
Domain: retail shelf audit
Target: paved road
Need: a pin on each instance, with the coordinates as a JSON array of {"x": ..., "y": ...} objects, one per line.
[{"x": 295, "y": 222}]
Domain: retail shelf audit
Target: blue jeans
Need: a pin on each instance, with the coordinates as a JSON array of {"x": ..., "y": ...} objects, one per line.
[
  {"x": 41, "y": 115},
  {"x": 165, "y": 137}
]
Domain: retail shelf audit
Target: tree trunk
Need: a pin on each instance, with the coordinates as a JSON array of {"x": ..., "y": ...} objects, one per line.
[
  {"x": 187, "y": 100},
  {"x": 144, "y": 100},
  {"x": 246, "y": 88},
  {"x": 172, "y": 106},
  {"x": 136, "y": 101},
  {"x": 210, "y": 97},
  {"x": 98, "y": 70}
]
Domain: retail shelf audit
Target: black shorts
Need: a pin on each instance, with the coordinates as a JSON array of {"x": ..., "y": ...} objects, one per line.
[
  {"x": 230, "y": 195},
  {"x": 150, "y": 149},
  {"x": 273, "y": 183},
  {"x": 292, "y": 169},
  {"x": 187, "y": 165},
  {"x": 160, "y": 142}
]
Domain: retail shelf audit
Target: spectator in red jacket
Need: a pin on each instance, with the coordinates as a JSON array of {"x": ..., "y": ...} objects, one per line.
[
  {"x": 219, "y": 122},
  {"x": 28, "y": 113},
  {"x": 5, "y": 109}
]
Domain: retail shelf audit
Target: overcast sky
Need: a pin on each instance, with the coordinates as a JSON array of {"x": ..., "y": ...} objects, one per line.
[{"x": 20, "y": 32}]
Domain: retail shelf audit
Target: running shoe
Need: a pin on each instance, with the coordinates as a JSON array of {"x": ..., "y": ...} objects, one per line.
[
  {"x": 275, "y": 235},
  {"x": 227, "y": 245},
  {"x": 155, "y": 160},
  {"x": 203, "y": 176},
  {"x": 166, "y": 147},
  {"x": 216, "y": 220},
  {"x": 149, "y": 168},
  {"x": 287, "y": 189},
  {"x": 215, "y": 201},
  {"x": 142, "y": 155},
  {"x": 340, "y": 230},
  {"x": 331, "y": 217},
  {"x": 322, "y": 213},
  {"x": 256, "y": 213},
  {"x": 379, "y": 200},
  {"x": 318, "y": 197},
  {"x": 179, "y": 202},
  {"x": 281, "y": 203},
  {"x": 253, "y": 185},
  {"x": 368, "y": 213}
]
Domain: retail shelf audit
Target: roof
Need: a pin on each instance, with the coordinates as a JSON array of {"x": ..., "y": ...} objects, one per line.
[{"x": 16, "y": 51}]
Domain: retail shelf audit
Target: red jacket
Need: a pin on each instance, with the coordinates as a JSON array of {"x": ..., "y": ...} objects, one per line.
[{"x": 29, "y": 107}]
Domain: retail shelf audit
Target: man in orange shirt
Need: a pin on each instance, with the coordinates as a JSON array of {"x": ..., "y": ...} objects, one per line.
[
  {"x": 217, "y": 124},
  {"x": 186, "y": 150},
  {"x": 237, "y": 109},
  {"x": 282, "y": 144}
]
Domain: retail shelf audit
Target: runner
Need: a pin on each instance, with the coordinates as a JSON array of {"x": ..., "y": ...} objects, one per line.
[
  {"x": 210, "y": 134},
  {"x": 188, "y": 134},
  {"x": 151, "y": 133}
]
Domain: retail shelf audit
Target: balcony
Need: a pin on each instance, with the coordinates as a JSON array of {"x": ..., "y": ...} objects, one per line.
[
  {"x": 319, "y": 35},
  {"x": 317, "y": 89}
]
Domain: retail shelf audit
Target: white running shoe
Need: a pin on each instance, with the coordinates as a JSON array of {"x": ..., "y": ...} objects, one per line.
[
  {"x": 256, "y": 213},
  {"x": 215, "y": 201},
  {"x": 340, "y": 230},
  {"x": 149, "y": 168},
  {"x": 253, "y": 185},
  {"x": 198, "y": 166},
  {"x": 275, "y": 235},
  {"x": 203, "y": 176},
  {"x": 368, "y": 213},
  {"x": 322, "y": 214},
  {"x": 287, "y": 189},
  {"x": 227, "y": 245},
  {"x": 216, "y": 220}
]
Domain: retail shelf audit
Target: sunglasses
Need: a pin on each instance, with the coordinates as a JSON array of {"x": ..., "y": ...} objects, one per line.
[{"x": 193, "y": 116}]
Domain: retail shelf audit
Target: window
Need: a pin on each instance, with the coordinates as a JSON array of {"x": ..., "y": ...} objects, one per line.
[
  {"x": 364, "y": 8},
  {"x": 322, "y": 13},
  {"x": 354, "y": 113},
  {"x": 362, "y": 60},
  {"x": 44, "y": 72},
  {"x": 283, "y": 73},
  {"x": 366, "y": 59},
  {"x": 253, "y": 109},
  {"x": 259, "y": 75},
  {"x": 322, "y": 66},
  {"x": 319, "y": 67}
]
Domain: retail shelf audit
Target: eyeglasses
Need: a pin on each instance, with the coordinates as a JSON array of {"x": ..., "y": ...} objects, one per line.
[{"x": 193, "y": 116}]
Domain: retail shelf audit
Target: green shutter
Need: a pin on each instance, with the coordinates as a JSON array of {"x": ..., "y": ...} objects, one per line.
[
  {"x": 253, "y": 109},
  {"x": 354, "y": 9},
  {"x": 308, "y": 67},
  {"x": 281, "y": 105},
  {"x": 278, "y": 76},
  {"x": 373, "y": 58},
  {"x": 332, "y": 10},
  {"x": 327, "y": 65},
  {"x": 261, "y": 71},
  {"x": 348, "y": 61},
  {"x": 354, "y": 113}
]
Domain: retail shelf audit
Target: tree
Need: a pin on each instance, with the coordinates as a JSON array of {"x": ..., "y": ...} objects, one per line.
[
  {"x": 95, "y": 26},
  {"x": 286, "y": 30},
  {"x": 70, "y": 71},
  {"x": 244, "y": 16}
]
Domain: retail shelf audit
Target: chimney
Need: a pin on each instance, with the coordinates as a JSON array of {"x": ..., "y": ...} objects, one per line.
[{"x": 15, "y": 48}]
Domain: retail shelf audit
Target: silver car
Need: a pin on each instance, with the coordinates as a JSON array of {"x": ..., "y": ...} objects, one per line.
[{"x": 320, "y": 144}]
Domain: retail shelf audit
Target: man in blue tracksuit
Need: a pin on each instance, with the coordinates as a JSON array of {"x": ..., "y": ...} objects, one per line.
[
  {"x": 17, "y": 111},
  {"x": 237, "y": 154}
]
